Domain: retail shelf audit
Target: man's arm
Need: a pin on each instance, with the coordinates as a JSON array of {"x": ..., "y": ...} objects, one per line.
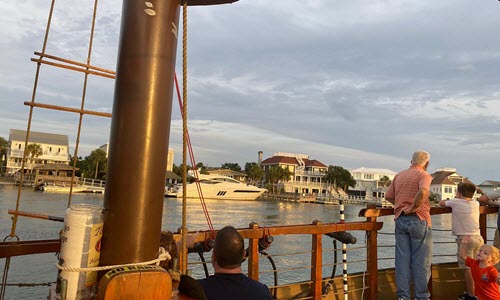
[
  {"x": 442, "y": 203},
  {"x": 423, "y": 193},
  {"x": 390, "y": 199},
  {"x": 486, "y": 200}
]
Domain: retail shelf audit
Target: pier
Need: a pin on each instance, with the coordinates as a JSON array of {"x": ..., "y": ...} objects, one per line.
[
  {"x": 63, "y": 182},
  {"x": 327, "y": 199}
]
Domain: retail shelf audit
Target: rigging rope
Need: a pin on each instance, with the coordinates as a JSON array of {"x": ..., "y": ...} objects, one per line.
[
  {"x": 186, "y": 146},
  {"x": 193, "y": 162},
  {"x": 82, "y": 105},
  {"x": 183, "y": 258},
  {"x": 21, "y": 179}
]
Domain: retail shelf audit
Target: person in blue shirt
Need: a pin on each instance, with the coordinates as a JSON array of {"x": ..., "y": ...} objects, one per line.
[{"x": 229, "y": 282}]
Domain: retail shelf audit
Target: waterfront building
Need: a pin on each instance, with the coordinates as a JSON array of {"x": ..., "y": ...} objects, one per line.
[
  {"x": 489, "y": 186},
  {"x": 444, "y": 183},
  {"x": 55, "y": 150},
  {"x": 371, "y": 182},
  {"x": 307, "y": 174}
]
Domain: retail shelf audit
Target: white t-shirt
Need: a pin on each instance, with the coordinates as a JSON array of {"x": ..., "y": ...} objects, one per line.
[{"x": 464, "y": 216}]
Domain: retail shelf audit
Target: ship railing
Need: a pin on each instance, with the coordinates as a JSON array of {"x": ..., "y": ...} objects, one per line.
[
  {"x": 314, "y": 259},
  {"x": 369, "y": 266}
]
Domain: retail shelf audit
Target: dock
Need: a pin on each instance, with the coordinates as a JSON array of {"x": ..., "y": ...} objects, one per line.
[{"x": 326, "y": 199}]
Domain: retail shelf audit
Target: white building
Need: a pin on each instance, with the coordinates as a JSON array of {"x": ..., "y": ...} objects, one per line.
[
  {"x": 489, "y": 186},
  {"x": 55, "y": 149},
  {"x": 307, "y": 174},
  {"x": 369, "y": 181},
  {"x": 444, "y": 183}
]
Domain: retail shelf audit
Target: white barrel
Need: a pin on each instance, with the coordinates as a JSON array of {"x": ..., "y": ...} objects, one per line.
[{"x": 80, "y": 248}]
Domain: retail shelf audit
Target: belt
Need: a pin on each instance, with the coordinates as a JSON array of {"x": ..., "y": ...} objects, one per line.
[{"x": 408, "y": 215}]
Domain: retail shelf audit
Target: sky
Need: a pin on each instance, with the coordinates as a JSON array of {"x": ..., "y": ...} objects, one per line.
[{"x": 349, "y": 83}]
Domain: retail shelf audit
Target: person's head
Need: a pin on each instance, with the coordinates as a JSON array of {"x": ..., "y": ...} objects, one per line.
[
  {"x": 488, "y": 254},
  {"x": 421, "y": 158},
  {"x": 191, "y": 289},
  {"x": 466, "y": 189},
  {"x": 229, "y": 248},
  {"x": 167, "y": 241}
]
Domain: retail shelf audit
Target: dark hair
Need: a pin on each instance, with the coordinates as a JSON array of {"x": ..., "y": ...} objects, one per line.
[
  {"x": 190, "y": 287},
  {"x": 229, "y": 247},
  {"x": 466, "y": 189}
]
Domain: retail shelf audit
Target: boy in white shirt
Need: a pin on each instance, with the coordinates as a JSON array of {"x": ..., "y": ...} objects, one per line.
[{"x": 465, "y": 222}]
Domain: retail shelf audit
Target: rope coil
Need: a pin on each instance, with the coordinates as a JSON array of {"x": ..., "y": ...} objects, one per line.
[{"x": 163, "y": 255}]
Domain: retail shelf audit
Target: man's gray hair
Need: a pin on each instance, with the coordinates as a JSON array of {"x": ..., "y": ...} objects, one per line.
[{"x": 420, "y": 157}]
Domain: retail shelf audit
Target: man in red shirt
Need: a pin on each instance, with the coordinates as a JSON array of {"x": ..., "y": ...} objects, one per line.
[{"x": 409, "y": 192}]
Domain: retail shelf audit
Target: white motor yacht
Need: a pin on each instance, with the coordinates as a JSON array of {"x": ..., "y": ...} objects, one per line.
[{"x": 218, "y": 187}]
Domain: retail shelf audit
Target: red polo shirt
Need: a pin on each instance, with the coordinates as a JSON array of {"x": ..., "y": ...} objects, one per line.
[{"x": 405, "y": 186}]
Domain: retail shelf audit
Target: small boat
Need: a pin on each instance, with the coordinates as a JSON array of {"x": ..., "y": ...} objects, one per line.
[
  {"x": 218, "y": 187},
  {"x": 60, "y": 189}
]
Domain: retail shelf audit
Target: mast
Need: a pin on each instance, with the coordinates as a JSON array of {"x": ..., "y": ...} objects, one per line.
[{"x": 140, "y": 129}]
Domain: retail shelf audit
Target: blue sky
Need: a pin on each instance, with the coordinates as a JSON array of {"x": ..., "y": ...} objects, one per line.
[{"x": 351, "y": 83}]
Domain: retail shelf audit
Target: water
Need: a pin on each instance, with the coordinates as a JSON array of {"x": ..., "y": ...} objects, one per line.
[{"x": 41, "y": 268}]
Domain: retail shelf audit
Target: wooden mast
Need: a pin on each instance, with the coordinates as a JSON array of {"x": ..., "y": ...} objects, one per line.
[{"x": 140, "y": 128}]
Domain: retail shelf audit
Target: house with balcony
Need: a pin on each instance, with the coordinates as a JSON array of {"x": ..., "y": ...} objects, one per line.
[
  {"x": 370, "y": 181},
  {"x": 55, "y": 150},
  {"x": 444, "y": 183},
  {"x": 489, "y": 186},
  {"x": 307, "y": 174}
]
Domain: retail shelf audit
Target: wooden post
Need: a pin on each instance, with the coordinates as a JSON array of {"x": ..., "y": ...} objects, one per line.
[
  {"x": 483, "y": 226},
  {"x": 253, "y": 253},
  {"x": 316, "y": 263},
  {"x": 372, "y": 264}
]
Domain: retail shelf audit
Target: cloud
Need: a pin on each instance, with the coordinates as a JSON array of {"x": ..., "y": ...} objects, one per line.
[{"x": 351, "y": 83}]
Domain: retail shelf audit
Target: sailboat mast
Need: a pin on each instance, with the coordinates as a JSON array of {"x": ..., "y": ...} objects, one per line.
[{"x": 140, "y": 128}]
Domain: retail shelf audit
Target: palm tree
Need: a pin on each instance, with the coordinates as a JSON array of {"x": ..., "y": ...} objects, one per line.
[
  {"x": 384, "y": 181},
  {"x": 34, "y": 150},
  {"x": 4, "y": 145}
]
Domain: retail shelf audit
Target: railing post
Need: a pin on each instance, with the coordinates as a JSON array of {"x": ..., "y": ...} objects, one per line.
[
  {"x": 483, "y": 226},
  {"x": 317, "y": 262},
  {"x": 371, "y": 263},
  {"x": 253, "y": 253}
]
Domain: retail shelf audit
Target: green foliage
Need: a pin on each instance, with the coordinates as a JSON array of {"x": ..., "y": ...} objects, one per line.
[
  {"x": 231, "y": 166},
  {"x": 277, "y": 174},
  {"x": 385, "y": 181},
  {"x": 34, "y": 150},
  {"x": 340, "y": 177},
  {"x": 4, "y": 145},
  {"x": 201, "y": 168},
  {"x": 94, "y": 166},
  {"x": 254, "y": 172},
  {"x": 434, "y": 197},
  {"x": 179, "y": 169}
]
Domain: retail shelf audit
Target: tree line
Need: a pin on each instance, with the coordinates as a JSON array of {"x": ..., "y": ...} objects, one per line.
[{"x": 95, "y": 166}]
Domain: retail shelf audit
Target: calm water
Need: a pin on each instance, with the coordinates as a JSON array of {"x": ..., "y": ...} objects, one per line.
[{"x": 40, "y": 268}]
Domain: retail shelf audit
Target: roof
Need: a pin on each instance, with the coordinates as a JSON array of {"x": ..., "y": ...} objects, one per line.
[
  {"x": 172, "y": 175},
  {"x": 491, "y": 183},
  {"x": 39, "y": 137},
  {"x": 314, "y": 163},
  {"x": 287, "y": 160},
  {"x": 443, "y": 177},
  {"x": 373, "y": 170},
  {"x": 58, "y": 167}
]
